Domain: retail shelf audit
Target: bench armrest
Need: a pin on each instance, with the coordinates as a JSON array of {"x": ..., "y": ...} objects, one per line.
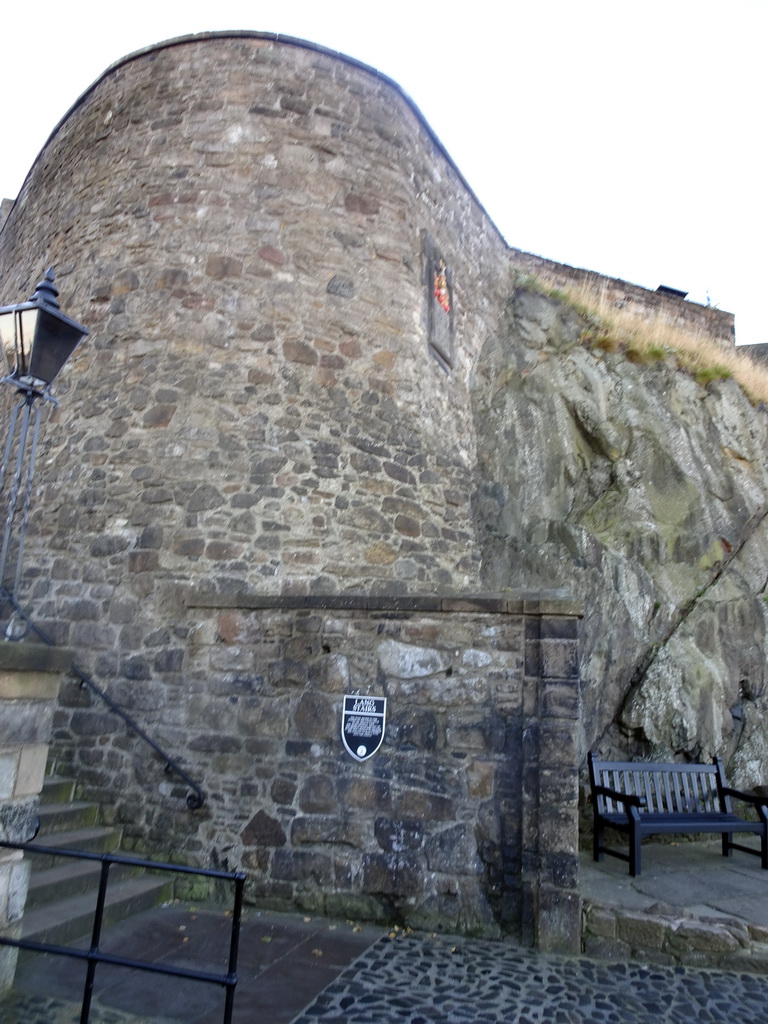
[
  {"x": 747, "y": 798},
  {"x": 629, "y": 799}
]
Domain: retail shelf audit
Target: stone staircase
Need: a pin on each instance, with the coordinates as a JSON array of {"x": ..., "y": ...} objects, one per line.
[{"x": 62, "y": 891}]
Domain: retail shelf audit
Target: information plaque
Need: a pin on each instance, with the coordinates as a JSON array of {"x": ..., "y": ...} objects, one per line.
[{"x": 362, "y": 725}]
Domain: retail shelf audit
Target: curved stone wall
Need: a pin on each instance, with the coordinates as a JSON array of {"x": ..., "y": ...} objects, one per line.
[
  {"x": 250, "y": 228},
  {"x": 242, "y": 223}
]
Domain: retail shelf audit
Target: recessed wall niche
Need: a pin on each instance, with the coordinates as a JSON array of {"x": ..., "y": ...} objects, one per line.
[{"x": 439, "y": 285}]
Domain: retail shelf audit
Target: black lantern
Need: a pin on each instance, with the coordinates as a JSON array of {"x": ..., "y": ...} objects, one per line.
[{"x": 38, "y": 337}]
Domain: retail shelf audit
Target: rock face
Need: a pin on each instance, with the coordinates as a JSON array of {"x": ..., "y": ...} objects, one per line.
[{"x": 647, "y": 495}]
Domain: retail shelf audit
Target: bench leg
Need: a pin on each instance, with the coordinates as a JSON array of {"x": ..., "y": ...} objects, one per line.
[
  {"x": 635, "y": 838},
  {"x": 727, "y": 841},
  {"x": 597, "y": 841}
]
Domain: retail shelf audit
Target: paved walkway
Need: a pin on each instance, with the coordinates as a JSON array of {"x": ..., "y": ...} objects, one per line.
[
  {"x": 302, "y": 970},
  {"x": 686, "y": 878},
  {"x": 424, "y": 980},
  {"x": 285, "y": 961}
]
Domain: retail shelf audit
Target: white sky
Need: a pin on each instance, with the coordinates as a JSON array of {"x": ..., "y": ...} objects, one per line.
[{"x": 625, "y": 137}]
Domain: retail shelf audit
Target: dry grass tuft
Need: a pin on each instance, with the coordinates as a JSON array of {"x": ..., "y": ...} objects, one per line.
[{"x": 648, "y": 340}]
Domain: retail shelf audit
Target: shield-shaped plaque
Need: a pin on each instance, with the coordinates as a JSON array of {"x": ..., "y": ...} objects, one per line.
[{"x": 362, "y": 725}]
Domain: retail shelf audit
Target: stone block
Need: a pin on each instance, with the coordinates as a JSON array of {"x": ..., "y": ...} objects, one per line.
[
  {"x": 263, "y": 830},
  {"x": 407, "y": 661},
  {"x": 559, "y": 828},
  {"x": 416, "y": 803},
  {"x": 283, "y": 790},
  {"x": 18, "y": 886},
  {"x": 31, "y": 663},
  {"x": 373, "y": 795},
  {"x": 558, "y": 744},
  {"x": 558, "y": 921},
  {"x": 32, "y": 761},
  {"x": 480, "y": 778},
  {"x": 701, "y": 937},
  {"x": 559, "y": 659},
  {"x": 391, "y": 874},
  {"x": 559, "y": 785},
  {"x": 25, "y": 722},
  {"x": 598, "y": 921},
  {"x": 453, "y": 851},
  {"x": 341, "y": 831},
  {"x": 641, "y": 931},
  {"x": 560, "y": 868},
  {"x": 604, "y": 948},
  {"x": 317, "y": 795},
  {"x": 302, "y": 866},
  {"x": 413, "y": 728},
  {"x": 143, "y": 561},
  {"x": 472, "y": 732},
  {"x": 8, "y": 959},
  {"x": 9, "y": 766},
  {"x": 532, "y": 659},
  {"x": 315, "y": 717},
  {"x": 560, "y": 700},
  {"x": 558, "y": 627},
  {"x": 18, "y": 820},
  {"x": 28, "y": 685},
  {"x": 398, "y": 835}
]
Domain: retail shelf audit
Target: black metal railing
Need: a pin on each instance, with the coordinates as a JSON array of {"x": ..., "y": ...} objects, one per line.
[
  {"x": 93, "y": 956},
  {"x": 196, "y": 798}
]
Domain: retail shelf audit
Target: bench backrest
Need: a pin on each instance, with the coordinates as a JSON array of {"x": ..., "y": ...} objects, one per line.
[{"x": 667, "y": 788}]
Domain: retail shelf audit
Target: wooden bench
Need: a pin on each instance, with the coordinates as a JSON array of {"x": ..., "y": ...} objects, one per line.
[{"x": 651, "y": 799}]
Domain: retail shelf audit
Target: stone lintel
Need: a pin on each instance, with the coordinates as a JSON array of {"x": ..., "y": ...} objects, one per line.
[
  {"x": 32, "y": 671},
  {"x": 28, "y": 686},
  {"x": 502, "y": 603},
  {"x": 34, "y": 658}
]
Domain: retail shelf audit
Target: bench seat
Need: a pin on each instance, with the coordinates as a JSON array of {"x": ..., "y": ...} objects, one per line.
[{"x": 644, "y": 799}]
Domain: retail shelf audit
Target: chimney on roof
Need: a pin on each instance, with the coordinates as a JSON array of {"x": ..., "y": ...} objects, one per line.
[{"x": 664, "y": 289}]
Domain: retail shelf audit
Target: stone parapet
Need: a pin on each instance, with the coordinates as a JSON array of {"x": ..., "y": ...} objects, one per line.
[
  {"x": 29, "y": 685},
  {"x": 670, "y": 939}
]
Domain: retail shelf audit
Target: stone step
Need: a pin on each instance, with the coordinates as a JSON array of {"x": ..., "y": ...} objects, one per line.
[
  {"x": 72, "y": 918},
  {"x": 94, "y": 838},
  {"x": 61, "y": 882},
  {"x": 64, "y": 817},
  {"x": 57, "y": 790},
  {"x": 63, "y": 890}
]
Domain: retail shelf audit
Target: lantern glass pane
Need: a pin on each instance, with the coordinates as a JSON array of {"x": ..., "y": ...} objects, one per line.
[
  {"x": 55, "y": 342},
  {"x": 27, "y": 323},
  {"x": 6, "y": 339}
]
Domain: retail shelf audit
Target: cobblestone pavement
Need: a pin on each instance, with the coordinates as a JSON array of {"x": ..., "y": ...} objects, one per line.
[
  {"x": 438, "y": 980},
  {"x": 411, "y": 978}
]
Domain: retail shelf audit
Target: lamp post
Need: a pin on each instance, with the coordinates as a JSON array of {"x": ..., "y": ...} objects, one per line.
[{"x": 39, "y": 339}]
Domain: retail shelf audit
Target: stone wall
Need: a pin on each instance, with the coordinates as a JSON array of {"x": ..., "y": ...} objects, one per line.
[
  {"x": 465, "y": 819},
  {"x": 612, "y": 292}
]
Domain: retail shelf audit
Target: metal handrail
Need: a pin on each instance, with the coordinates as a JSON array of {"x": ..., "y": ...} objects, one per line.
[
  {"x": 93, "y": 956},
  {"x": 196, "y": 798}
]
